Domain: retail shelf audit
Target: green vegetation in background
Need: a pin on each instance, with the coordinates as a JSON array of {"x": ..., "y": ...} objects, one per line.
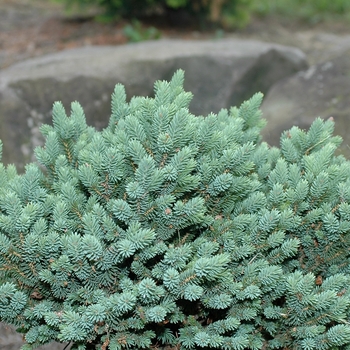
[
  {"x": 135, "y": 32},
  {"x": 312, "y": 11},
  {"x": 226, "y": 13}
]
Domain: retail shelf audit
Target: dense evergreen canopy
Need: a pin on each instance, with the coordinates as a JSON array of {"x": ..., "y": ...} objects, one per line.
[{"x": 169, "y": 230}]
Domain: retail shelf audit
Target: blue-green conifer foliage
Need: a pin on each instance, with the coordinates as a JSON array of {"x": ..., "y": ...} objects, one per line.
[{"x": 167, "y": 230}]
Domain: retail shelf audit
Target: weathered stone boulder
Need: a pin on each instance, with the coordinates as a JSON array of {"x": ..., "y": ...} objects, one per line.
[
  {"x": 219, "y": 73},
  {"x": 10, "y": 340},
  {"x": 321, "y": 91}
]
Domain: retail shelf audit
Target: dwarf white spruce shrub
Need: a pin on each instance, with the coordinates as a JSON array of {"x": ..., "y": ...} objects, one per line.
[{"x": 173, "y": 231}]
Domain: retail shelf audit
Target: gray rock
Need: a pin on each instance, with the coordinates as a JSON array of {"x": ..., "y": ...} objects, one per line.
[
  {"x": 10, "y": 340},
  {"x": 219, "y": 73},
  {"x": 321, "y": 91}
]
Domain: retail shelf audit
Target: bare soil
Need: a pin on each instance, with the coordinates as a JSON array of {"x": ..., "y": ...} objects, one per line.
[{"x": 30, "y": 28}]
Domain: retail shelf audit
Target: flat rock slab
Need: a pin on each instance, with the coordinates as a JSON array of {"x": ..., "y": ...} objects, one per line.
[
  {"x": 220, "y": 73},
  {"x": 321, "y": 91}
]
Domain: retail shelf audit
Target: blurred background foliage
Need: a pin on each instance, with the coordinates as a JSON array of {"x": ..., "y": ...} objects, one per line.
[
  {"x": 227, "y": 14},
  {"x": 135, "y": 32},
  {"x": 309, "y": 11}
]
